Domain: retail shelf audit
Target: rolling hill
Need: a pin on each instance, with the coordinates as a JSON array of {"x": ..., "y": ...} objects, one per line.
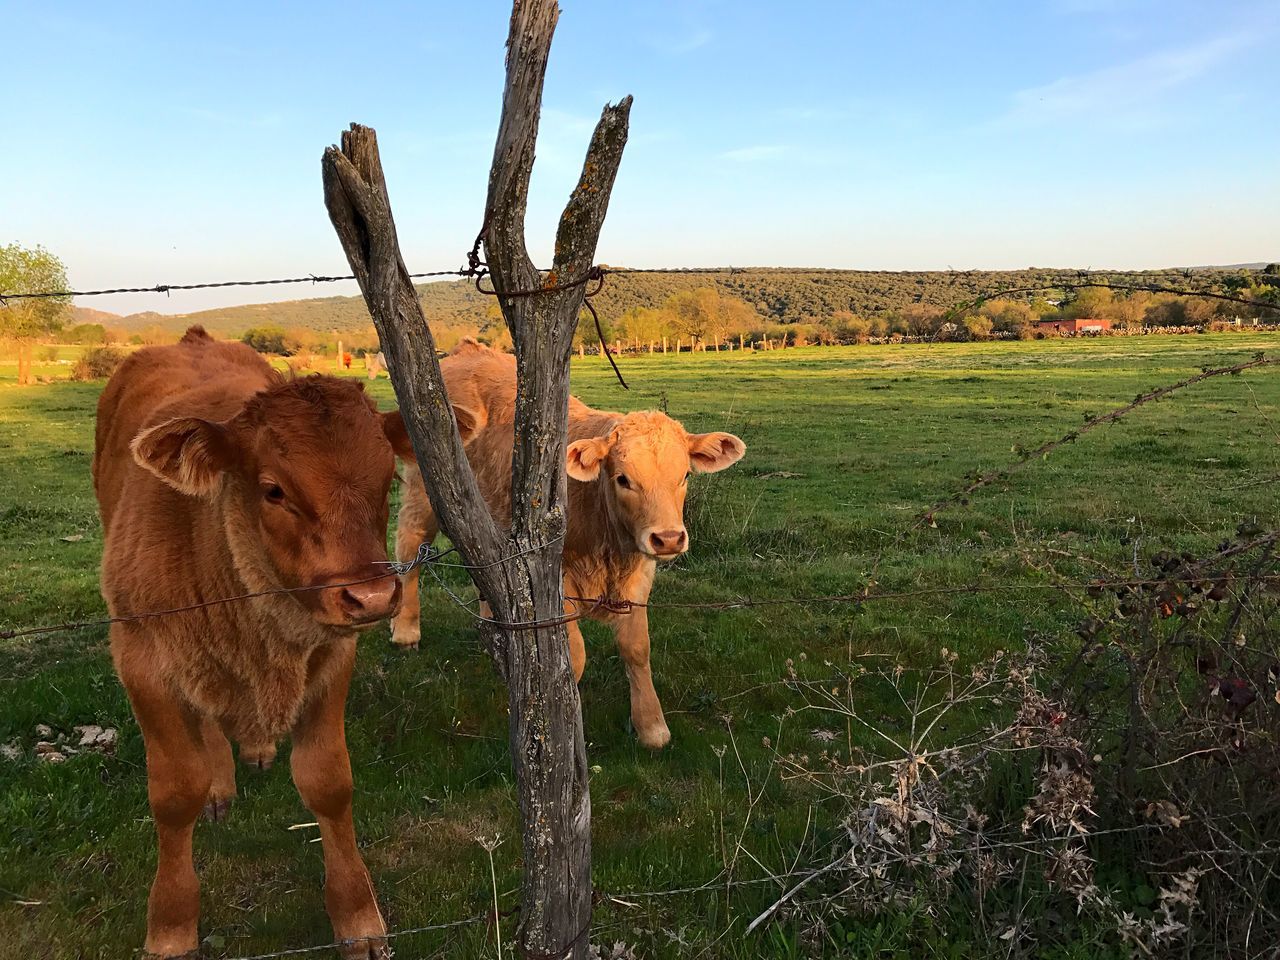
[{"x": 780, "y": 295}]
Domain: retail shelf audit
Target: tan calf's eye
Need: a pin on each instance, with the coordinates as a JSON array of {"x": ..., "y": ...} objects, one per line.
[
  {"x": 623, "y": 482},
  {"x": 273, "y": 493}
]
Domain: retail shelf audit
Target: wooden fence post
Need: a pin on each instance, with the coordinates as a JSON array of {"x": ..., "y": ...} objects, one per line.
[{"x": 517, "y": 572}]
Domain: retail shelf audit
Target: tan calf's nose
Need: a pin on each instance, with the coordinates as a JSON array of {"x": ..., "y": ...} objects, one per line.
[
  {"x": 374, "y": 600},
  {"x": 665, "y": 542}
]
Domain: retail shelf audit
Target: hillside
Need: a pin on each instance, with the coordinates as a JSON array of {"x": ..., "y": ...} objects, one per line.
[{"x": 781, "y": 295}]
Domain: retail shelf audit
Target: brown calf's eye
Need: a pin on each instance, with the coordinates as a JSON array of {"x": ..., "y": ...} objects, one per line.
[
  {"x": 623, "y": 482},
  {"x": 273, "y": 493}
]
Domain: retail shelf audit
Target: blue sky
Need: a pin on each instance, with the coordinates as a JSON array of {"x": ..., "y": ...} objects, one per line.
[{"x": 181, "y": 142}]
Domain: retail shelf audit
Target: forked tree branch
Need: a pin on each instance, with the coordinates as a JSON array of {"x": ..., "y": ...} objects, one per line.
[{"x": 547, "y": 743}]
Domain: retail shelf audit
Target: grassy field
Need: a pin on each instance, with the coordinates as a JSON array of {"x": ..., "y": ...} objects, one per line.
[{"x": 845, "y": 447}]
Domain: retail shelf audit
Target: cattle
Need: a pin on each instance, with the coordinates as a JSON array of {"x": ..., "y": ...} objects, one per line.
[
  {"x": 218, "y": 477},
  {"x": 374, "y": 363},
  {"x": 628, "y": 477}
]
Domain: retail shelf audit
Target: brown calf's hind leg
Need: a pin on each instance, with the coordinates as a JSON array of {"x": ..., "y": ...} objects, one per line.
[
  {"x": 415, "y": 525},
  {"x": 322, "y": 773},
  {"x": 178, "y": 784},
  {"x": 222, "y": 770}
]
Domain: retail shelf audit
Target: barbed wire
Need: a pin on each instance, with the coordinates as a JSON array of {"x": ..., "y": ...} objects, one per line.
[
  {"x": 167, "y": 288},
  {"x": 356, "y": 941}
]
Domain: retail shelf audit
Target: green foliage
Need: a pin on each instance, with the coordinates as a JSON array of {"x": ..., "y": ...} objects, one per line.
[
  {"x": 86, "y": 334},
  {"x": 267, "y": 340},
  {"x": 31, "y": 270},
  {"x": 97, "y": 363}
]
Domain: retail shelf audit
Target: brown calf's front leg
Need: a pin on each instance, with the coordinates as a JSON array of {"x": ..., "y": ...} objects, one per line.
[
  {"x": 322, "y": 773},
  {"x": 632, "y": 632},
  {"x": 415, "y": 525},
  {"x": 179, "y": 778}
]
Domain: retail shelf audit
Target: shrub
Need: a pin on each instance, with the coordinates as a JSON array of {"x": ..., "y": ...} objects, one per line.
[
  {"x": 97, "y": 364},
  {"x": 267, "y": 340}
]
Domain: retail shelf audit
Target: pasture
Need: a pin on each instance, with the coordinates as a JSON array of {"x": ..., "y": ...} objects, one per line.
[{"x": 845, "y": 447}]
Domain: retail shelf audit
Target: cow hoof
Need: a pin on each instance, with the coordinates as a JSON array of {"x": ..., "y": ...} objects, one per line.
[
  {"x": 655, "y": 737},
  {"x": 406, "y": 637},
  {"x": 366, "y": 948},
  {"x": 260, "y": 756},
  {"x": 217, "y": 810}
]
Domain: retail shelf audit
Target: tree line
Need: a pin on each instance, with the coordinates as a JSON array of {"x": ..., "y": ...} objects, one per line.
[{"x": 697, "y": 310}]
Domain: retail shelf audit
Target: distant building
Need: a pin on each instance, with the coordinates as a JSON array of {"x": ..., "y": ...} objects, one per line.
[{"x": 1083, "y": 325}]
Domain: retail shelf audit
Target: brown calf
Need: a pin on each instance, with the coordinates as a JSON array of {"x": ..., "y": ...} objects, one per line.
[
  {"x": 628, "y": 476},
  {"x": 217, "y": 477}
]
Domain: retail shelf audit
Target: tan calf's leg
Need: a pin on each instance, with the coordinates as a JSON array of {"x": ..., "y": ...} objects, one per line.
[
  {"x": 632, "y": 632},
  {"x": 222, "y": 770},
  {"x": 178, "y": 782},
  {"x": 577, "y": 647},
  {"x": 322, "y": 772},
  {"x": 415, "y": 525},
  {"x": 259, "y": 755}
]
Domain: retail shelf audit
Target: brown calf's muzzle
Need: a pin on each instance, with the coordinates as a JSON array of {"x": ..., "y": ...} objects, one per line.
[{"x": 362, "y": 600}]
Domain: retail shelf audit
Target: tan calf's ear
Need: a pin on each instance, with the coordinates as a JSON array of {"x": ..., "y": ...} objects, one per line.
[
  {"x": 582, "y": 458},
  {"x": 188, "y": 453},
  {"x": 709, "y": 452},
  {"x": 394, "y": 430}
]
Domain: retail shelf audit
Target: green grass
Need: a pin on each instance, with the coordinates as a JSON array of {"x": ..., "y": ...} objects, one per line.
[{"x": 845, "y": 447}]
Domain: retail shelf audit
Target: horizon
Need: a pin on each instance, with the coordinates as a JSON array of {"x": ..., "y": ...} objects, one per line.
[
  {"x": 1116, "y": 132},
  {"x": 88, "y": 302}
]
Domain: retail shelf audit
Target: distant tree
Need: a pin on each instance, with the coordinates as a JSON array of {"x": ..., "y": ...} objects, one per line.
[
  {"x": 922, "y": 319},
  {"x": 267, "y": 340},
  {"x": 97, "y": 363},
  {"x": 1088, "y": 303},
  {"x": 86, "y": 334},
  {"x": 1012, "y": 317},
  {"x": 31, "y": 270},
  {"x": 977, "y": 327}
]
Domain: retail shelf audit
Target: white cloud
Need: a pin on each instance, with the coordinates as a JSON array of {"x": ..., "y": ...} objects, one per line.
[{"x": 1121, "y": 86}]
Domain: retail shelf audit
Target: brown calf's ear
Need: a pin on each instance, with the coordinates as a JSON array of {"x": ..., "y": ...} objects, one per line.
[
  {"x": 709, "y": 452},
  {"x": 396, "y": 434},
  {"x": 583, "y": 457},
  {"x": 187, "y": 453},
  {"x": 470, "y": 422}
]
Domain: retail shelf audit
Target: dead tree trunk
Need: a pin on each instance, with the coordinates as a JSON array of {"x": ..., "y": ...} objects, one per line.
[{"x": 547, "y": 745}]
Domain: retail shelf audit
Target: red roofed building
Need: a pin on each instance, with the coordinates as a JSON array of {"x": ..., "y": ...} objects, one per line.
[{"x": 1082, "y": 325}]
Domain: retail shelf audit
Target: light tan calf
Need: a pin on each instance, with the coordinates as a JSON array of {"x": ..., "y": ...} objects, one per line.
[{"x": 628, "y": 477}]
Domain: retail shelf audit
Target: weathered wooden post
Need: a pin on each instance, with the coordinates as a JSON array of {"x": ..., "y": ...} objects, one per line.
[
  {"x": 517, "y": 571},
  {"x": 664, "y": 343}
]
